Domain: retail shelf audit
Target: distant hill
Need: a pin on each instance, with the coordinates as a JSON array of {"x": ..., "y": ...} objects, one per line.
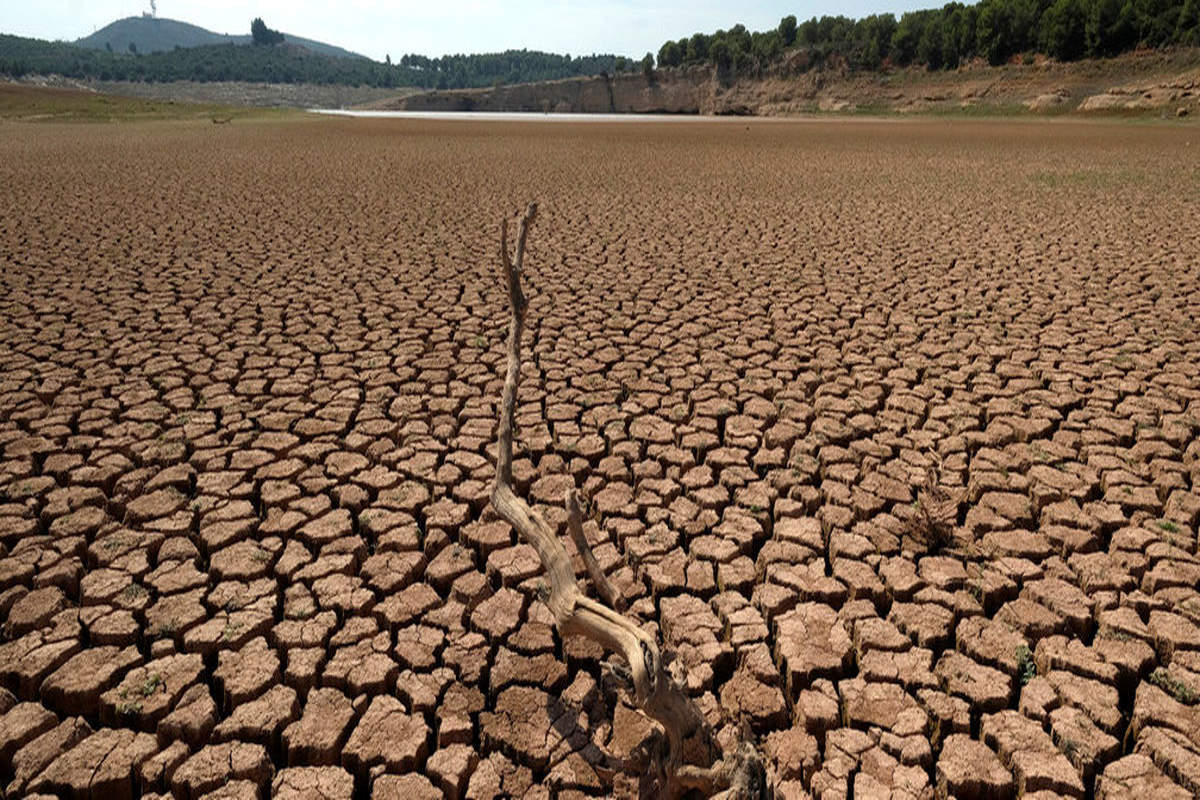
[
  {"x": 290, "y": 62},
  {"x": 156, "y": 35}
]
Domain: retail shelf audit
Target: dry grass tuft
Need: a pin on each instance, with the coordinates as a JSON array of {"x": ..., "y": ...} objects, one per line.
[{"x": 935, "y": 511}]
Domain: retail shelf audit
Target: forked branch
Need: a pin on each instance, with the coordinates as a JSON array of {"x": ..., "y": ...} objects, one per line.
[{"x": 737, "y": 774}]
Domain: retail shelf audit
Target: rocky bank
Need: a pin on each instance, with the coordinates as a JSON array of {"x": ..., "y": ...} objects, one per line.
[{"x": 1155, "y": 82}]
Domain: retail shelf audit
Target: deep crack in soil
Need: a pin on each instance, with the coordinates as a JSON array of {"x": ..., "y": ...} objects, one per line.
[{"x": 249, "y": 378}]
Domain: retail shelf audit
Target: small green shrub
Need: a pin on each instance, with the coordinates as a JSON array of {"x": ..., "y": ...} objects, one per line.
[
  {"x": 1026, "y": 669},
  {"x": 1174, "y": 687}
]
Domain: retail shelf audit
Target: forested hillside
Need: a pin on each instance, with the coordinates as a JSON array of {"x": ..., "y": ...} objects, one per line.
[
  {"x": 155, "y": 34},
  {"x": 940, "y": 38},
  {"x": 996, "y": 30},
  {"x": 291, "y": 63}
]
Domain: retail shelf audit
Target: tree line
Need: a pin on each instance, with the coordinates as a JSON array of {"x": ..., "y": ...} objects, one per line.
[
  {"x": 995, "y": 30},
  {"x": 510, "y": 66},
  {"x": 285, "y": 63},
  {"x": 937, "y": 38}
]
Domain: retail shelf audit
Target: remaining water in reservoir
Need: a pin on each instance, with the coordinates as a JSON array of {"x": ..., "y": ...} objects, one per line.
[{"x": 508, "y": 116}]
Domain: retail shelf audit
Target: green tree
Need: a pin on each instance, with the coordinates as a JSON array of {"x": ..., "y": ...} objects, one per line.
[
  {"x": 720, "y": 56},
  {"x": 765, "y": 48},
  {"x": 958, "y": 33},
  {"x": 682, "y": 45},
  {"x": 993, "y": 32},
  {"x": 787, "y": 30},
  {"x": 1156, "y": 21},
  {"x": 262, "y": 35},
  {"x": 1063, "y": 30},
  {"x": 906, "y": 37},
  {"x": 739, "y": 39},
  {"x": 871, "y": 41},
  {"x": 1187, "y": 27},
  {"x": 929, "y": 48},
  {"x": 1109, "y": 27},
  {"x": 1026, "y": 15},
  {"x": 648, "y": 65},
  {"x": 670, "y": 55}
]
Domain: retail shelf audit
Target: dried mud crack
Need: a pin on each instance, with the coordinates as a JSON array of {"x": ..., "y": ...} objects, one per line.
[{"x": 890, "y": 431}]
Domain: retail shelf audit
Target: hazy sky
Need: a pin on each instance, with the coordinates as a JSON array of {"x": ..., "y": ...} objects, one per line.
[{"x": 438, "y": 27}]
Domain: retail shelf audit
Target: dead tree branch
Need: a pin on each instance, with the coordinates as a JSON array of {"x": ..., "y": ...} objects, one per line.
[
  {"x": 599, "y": 580},
  {"x": 690, "y": 761}
]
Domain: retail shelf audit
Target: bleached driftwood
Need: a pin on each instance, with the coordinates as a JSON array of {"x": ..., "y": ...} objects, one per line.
[{"x": 689, "y": 761}]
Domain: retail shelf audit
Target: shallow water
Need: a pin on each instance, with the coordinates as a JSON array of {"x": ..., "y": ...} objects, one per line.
[{"x": 517, "y": 116}]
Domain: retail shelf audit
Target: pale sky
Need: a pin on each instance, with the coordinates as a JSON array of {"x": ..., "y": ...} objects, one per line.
[{"x": 438, "y": 27}]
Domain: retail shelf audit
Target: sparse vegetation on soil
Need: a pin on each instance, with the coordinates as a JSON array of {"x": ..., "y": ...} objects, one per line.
[{"x": 24, "y": 103}]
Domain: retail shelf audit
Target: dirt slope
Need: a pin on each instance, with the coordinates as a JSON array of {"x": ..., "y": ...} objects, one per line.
[{"x": 238, "y": 93}]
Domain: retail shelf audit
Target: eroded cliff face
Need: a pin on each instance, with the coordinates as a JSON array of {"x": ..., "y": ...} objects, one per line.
[
  {"x": 691, "y": 91},
  {"x": 1154, "y": 82}
]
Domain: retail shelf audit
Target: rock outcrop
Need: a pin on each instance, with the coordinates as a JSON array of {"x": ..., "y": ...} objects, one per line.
[
  {"x": 683, "y": 91},
  {"x": 1145, "y": 83}
]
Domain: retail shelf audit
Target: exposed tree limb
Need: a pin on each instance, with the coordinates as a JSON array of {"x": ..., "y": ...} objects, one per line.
[
  {"x": 737, "y": 774},
  {"x": 599, "y": 580}
]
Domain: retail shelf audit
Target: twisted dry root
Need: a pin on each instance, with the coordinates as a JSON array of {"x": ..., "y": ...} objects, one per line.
[{"x": 687, "y": 762}]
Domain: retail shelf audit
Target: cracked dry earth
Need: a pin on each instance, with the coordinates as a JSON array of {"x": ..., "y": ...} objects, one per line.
[{"x": 249, "y": 379}]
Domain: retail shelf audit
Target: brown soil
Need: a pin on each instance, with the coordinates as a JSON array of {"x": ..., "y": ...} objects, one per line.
[
  {"x": 235, "y": 93},
  {"x": 249, "y": 379}
]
